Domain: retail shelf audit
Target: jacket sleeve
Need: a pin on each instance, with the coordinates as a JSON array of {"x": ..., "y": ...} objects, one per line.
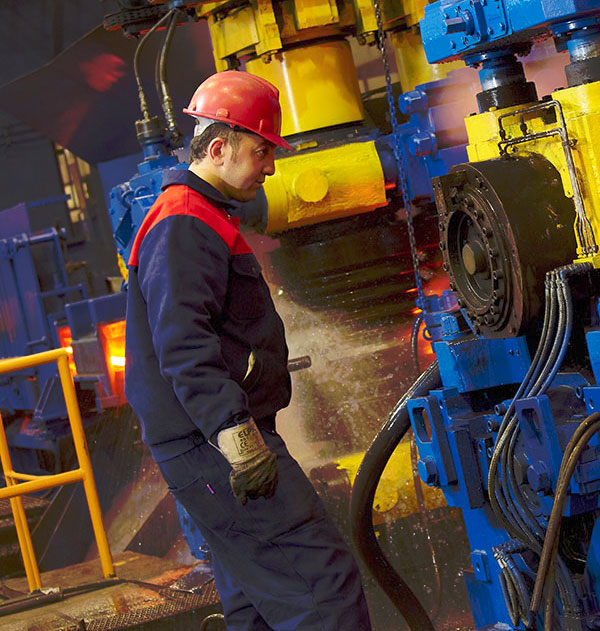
[{"x": 183, "y": 272}]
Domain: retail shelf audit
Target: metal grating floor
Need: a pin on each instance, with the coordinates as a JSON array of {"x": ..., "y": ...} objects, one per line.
[
  {"x": 176, "y": 603},
  {"x": 141, "y": 599}
]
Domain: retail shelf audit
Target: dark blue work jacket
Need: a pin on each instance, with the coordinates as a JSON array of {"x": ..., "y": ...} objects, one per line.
[{"x": 205, "y": 348}]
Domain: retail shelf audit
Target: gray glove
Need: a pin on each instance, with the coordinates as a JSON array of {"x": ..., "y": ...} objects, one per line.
[{"x": 253, "y": 464}]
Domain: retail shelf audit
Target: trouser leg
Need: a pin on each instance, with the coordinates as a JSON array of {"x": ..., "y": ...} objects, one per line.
[
  {"x": 240, "y": 613},
  {"x": 285, "y": 553}
]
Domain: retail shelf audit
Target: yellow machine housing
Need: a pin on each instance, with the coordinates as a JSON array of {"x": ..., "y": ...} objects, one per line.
[
  {"x": 337, "y": 182},
  {"x": 301, "y": 47},
  {"x": 396, "y": 490},
  {"x": 569, "y": 146},
  {"x": 318, "y": 86}
]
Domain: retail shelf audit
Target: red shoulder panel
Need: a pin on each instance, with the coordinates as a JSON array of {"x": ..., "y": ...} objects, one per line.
[{"x": 179, "y": 199}]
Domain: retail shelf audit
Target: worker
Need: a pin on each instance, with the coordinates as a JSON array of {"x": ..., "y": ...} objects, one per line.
[{"x": 206, "y": 373}]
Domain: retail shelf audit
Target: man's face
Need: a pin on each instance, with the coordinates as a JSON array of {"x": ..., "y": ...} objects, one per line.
[{"x": 246, "y": 167}]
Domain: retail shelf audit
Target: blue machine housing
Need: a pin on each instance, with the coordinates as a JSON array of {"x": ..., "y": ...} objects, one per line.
[
  {"x": 130, "y": 201},
  {"x": 455, "y": 429},
  {"x": 434, "y": 138},
  {"x": 462, "y": 429},
  {"x": 30, "y": 313},
  {"x": 450, "y": 28}
]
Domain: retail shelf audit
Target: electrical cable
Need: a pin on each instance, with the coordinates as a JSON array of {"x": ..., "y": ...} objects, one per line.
[{"x": 361, "y": 504}]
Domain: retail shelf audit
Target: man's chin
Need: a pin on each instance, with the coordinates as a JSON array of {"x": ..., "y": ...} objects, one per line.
[{"x": 243, "y": 196}]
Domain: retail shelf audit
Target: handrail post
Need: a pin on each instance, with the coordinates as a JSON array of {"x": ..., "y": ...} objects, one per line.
[
  {"x": 16, "y": 503},
  {"x": 83, "y": 457},
  {"x": 35, "y": 483}
]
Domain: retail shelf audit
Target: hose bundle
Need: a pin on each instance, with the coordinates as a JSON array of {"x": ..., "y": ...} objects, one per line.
[{"x": 506, "y": 498}]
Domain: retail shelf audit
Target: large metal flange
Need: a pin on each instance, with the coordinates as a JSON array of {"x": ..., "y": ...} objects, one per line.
[{"x": 503, "y": 224}]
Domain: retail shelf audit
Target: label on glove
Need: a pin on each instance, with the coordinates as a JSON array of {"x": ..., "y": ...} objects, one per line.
[{"x": 241, "y": 443}]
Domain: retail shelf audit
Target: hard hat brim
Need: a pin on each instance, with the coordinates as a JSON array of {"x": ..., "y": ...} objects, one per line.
[{"x": 274, "y": 138}]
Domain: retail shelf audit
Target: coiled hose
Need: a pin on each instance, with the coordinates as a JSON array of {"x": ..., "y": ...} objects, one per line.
[{"x": 363, "y": 494}]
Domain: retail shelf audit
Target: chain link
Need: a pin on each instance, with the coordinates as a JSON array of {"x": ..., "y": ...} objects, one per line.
[{"x": 399, "y": 157}]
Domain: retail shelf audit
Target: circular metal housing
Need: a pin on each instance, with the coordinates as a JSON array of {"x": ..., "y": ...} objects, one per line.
[{"x": 503, "y": 224}]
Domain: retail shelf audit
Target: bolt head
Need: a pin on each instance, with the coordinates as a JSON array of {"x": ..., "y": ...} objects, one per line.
[{"x": 428, "y": 470}]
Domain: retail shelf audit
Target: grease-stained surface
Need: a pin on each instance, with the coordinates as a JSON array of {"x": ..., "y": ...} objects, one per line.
[{"x": 141, "y": 598}]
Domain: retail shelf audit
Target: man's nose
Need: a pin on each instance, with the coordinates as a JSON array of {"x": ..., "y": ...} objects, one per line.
[{"x": 269, "y": 166}]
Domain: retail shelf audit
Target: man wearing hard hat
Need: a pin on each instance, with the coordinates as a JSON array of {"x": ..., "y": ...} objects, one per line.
[{"x": 206, "y": 373}]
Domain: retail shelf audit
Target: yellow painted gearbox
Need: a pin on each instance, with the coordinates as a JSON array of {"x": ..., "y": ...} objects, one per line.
[
  {"x": 308, "y": 188},
  {"x": 580, "y": 106},
  {"x": 318, "y": 85}
]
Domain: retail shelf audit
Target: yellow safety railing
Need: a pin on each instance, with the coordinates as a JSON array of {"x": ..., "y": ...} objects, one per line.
[{"x": 18, "y": 484}]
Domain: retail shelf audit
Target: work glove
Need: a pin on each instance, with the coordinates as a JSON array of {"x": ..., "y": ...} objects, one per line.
[{"x": 253, "y": 464}]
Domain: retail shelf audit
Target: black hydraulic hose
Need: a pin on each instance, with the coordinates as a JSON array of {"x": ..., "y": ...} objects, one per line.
[
  {"x": 578, "y": 441},
  {"x": 568, "y": 303},
  {"x": 530, "y": 523},
  {"x": 361, "y": 504},
  {"x": 547, "y": 341},
  {"x": 557, "y": 343},
  {"x": 509, "y": 420},
  {"x": 142, "y": 96},
  {"x": 163, "y": 87}
]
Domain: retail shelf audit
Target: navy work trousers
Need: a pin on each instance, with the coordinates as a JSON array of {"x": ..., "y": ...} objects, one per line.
[{"x": 279, "y": 564}]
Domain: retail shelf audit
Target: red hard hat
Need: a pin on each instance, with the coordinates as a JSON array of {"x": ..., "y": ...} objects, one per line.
[{"x": 241, "y": 99}]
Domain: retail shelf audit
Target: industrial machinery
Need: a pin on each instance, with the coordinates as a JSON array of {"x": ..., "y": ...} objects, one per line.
[
  {"x": 505, "y": 419},
  {"x": 42, "y": 310},
  {"x": 338, "y": 205},
  {"x": 344, "y": 217}
]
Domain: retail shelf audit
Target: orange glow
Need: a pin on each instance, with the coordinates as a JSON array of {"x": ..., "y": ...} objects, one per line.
[
  {"x": 112, "y": 336},
  {"x": 65, "y": 339},
  {"x": 415, "y": 311},
  {"x": 411, "y": 291}
]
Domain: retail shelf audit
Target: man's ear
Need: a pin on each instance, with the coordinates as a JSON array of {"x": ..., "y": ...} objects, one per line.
[{"x": 216, "y": 151}]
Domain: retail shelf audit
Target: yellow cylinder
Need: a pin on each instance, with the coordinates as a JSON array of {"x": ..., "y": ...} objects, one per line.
[
  {"x": 318, "y": 85},
  {"x": 413, "y": 67}
]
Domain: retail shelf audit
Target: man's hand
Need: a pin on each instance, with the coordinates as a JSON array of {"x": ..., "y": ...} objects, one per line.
[{"x": 253, "y": 464}]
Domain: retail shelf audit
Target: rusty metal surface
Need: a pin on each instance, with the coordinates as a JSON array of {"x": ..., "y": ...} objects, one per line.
[
  {"x": 29, "y": 502},
  {"x": 10, "y": 553},
  {"x": 33, "y": 507},
  {"x": 175, "y": 603},
  {"x": 143, "y": 599}
]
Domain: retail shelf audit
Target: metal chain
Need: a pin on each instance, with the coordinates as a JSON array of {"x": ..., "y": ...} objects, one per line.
[{"x": 399, "y": 157}]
